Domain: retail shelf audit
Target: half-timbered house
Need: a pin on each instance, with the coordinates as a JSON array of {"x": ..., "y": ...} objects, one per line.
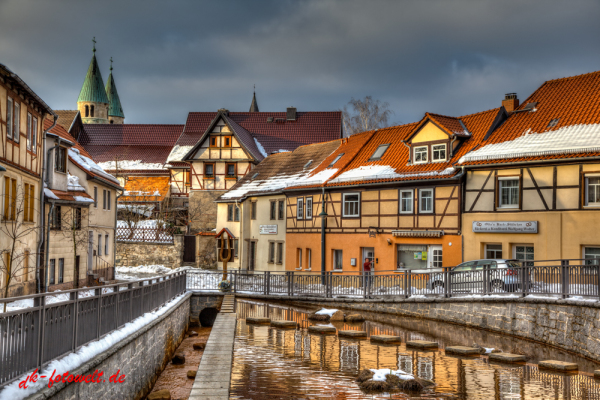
[{"x": 533, "y": 187}]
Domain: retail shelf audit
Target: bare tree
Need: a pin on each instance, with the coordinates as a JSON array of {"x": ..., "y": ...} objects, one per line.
[
  {"x": 365, "y": 115},
  {"x": 19, "y": 232}
]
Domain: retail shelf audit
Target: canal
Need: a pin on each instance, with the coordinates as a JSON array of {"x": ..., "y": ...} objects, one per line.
[{"x": 275, "y": 363}]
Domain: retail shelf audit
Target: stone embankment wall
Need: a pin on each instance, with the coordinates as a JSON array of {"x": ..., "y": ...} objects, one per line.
[
  {"x": 567, "y": 324},
  {"x": 199, "y": 302},
  {"x": 144, "y": 253},
  {"x": 140, "y": 357}
]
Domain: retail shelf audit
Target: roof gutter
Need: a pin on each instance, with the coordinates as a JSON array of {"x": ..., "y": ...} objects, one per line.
[{"x": 556, "y": 160}]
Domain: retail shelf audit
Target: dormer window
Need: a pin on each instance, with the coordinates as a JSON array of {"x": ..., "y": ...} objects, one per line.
[
  {"x": 420, "y": 154},
  {"x": 336, "y": 160},
  {"x": 379, "y": 152},
  {"x": 439, "y": 152}
]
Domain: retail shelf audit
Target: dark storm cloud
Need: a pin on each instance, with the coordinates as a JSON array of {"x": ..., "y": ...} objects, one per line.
[{"x": 171, "y": 57}]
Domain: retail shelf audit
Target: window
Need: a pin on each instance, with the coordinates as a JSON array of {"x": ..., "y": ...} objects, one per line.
[
  {"x": 272, "y": 210},
  {"x": 524, "y": 253},
  {"x": 17, "y": 123},
  {"x": 92, "y": 111},
  {"x": 236, "y": 213},
  {"x": 279, "y": 253},
  {"x": 591, "y": 255},
  {"x": 209, "y": 170},
  {"x": 271, "y": 252},
  {"x": 60, "y": 162},
  {"x": 9, "y": 119},
  {"x": 29, "y": 131},
  {"x": 235, "y": 248},
  {"x": 34, "y": 135},
  {"x": 77, "y": 218},
  {"x": 55, "y": 218},
  {"x": 31, "y": 202},
  {"x": 553, "y": 123},
  {"x": 308, "y": 259},
  {"x": 436, "y": 261},
  {"x": 229, "y": 212},
  {"x": 351, "y": 205},
  {"x": 105, "y": 244},
  {"x": 309, "y": 208},
  {"x": 300, "y": 208},
  {"x": 493, "y": 251},
  {"x": 308, "y": 164},
  {"x": 61, "y": 269},
  {"x": 52, "y": 271},
  {"x": 87, "y": 111},
  {"x": 104, "y": 199},
  {"x": 281, "y": 206},
  {"x": 426, "y": 200},
  {"x": 336, "y": 159},
  {"x": 406, "y": 201},
  {"x": 186, "y": 178},
  {"x": 508, "y": 192},
  {"x": 439, "y": 152},
  {"x": 299, "y": 261},
  {"x": 25, "y": 265},
  {"x": 108, "y": 199},
  {"x": 420, "y": 154},
  {"x": 99, "y": 252},
  {"x": 253, "y": 210},
  {"x": 95, "y": 196},
  {"x": 26, "y": 203},
  {"x": 213, "y": 141},
  {"x": 379, "y": 152},
  {"x": 592, "y": 190},
  {"x": 230, "y": 170},
  {"x": 226, "y": 141},
  {"x": 10, "y": 199},
  {"x": 337, "y": 260}
]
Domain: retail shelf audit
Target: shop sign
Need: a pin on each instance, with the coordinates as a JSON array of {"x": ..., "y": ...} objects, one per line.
[
  {"x": 505, "y": 227},
  {"x": 268, "y": 230}
]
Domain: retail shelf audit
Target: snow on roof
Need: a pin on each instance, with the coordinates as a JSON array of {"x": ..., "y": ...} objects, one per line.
[
  {"x": 569, "y": 139},
  {"x": 178, "y": 153},
  {"x": 374, "y": 172},
  {"x": 90, "y": 165},
  {"x": 260, "y": 148},
  {"x": 83, "y": 199},
  {"x": 73, "y": 183},
  {"x": 48, "y": 193},
  {"x": 130, "y": 165}
]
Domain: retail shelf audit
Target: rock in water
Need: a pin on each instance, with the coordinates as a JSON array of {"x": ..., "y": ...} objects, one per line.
[
  {"x": 191, "y": 374},
  {"x": 199, "y": 346},
  {"x": 337, "y": 316},
  {"x": 160, "y": 395},
  {"x": 365, "y": 375},
  {"x": 178, "y": 358},
  {"x": 192, "y": 333},
  {"x": 355, "y": 318}
]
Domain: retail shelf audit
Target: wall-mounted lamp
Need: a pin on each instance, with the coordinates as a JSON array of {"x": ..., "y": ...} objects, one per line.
[{"x": 389, "y": 241}]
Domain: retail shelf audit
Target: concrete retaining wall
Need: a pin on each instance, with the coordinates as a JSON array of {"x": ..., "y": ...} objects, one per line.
[
  {"x": 143, "y": 253},
  {"x": 140, "y": 357},
  {"x": 200, "y": 301},
  {"x": 567, "y": 324}
]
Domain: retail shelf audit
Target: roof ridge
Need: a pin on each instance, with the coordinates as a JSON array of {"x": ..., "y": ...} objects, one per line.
[
  {"x": 480, "y": 112},
  {"x": 571, "y": 77},
  {"x": 440, "y": 115}
]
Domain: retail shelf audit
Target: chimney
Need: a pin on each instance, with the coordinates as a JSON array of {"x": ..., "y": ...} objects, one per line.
[
  {"x": 224, "y": 111},
  {"x": 510, "y": 102},
  {"x": 291, "y": 113}
]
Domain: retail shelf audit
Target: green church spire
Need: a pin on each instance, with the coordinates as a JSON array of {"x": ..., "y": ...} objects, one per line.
[
  {"x": 114, "y": 103},
  {"x": 93, "y": 85}
]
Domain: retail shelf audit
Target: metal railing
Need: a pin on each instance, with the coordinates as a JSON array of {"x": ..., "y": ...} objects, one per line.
[
  {"x": 150, "y": 235},
  {"x": 56, "y": 324},
  {"x": 568, "y": 279}
]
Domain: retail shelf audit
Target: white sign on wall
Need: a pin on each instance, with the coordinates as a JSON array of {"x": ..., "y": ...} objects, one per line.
[
  {"x": 505, "y": 227},
  {"x": 268, "y": 230}
]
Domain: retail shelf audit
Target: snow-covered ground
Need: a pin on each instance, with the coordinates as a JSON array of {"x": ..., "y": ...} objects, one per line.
[{"x": 144, "y": 272}]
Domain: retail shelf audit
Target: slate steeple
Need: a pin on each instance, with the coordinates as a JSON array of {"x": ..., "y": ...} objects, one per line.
[
  {"x": 115, "y": 111},
  {"x": 254, "y": 105},
  {"x": 92, "y": 101}
]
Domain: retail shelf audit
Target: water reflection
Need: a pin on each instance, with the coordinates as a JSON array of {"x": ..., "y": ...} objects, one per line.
[{"x": 272, "y": 363}]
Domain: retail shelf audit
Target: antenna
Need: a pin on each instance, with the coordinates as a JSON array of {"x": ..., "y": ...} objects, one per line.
[{"x": 94, "y": 40}]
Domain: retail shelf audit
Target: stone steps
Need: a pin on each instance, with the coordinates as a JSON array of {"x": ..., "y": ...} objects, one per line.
[{"x": 228, "y": 305}]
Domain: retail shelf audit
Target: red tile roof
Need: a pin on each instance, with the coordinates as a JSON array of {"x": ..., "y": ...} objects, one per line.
[
  {"x": 574, "y": 101},
  {"x": 309, "y": 127},
  {"x": 62, "y": 133},
  {"x": 70, "y": 196}
]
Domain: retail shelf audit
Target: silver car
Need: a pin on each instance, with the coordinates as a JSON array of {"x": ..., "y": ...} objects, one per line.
[{"x": 468, "y": 277}]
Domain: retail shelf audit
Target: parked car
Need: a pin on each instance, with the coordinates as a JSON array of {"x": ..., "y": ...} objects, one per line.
[{"x": 468, "y": 277}]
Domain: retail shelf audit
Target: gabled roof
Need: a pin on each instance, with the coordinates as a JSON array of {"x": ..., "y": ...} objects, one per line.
[
  {"x": 93, "y": 85},
  {"x": 114, "y": 103},
  {"x": 63, "y": 133},
  {"x": 280, "y": 134},
  {"x": 14, "y": 78},
  {"x": 280, "y": 171},
  {"x": 78, "y": 197},
  {"x": 66, "y": 118},
  {"x": 529, "y": 136}
]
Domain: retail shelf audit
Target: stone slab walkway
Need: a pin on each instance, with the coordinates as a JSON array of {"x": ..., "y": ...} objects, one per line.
[{"x": 214, "y": 373}]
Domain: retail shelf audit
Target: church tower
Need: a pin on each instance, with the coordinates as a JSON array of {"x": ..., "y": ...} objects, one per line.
[
  {"x": 254, "y": 105},
  {"x": 93, "y": 102},
  {"x": 115, "y": 111}
]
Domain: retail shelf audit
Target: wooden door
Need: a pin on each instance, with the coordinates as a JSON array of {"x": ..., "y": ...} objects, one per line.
[{"x": 189, "y": 248}]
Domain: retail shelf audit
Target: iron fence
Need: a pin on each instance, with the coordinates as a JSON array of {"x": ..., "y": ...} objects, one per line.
[
  {"x": 568, "y": 279},
  {"x": 143, "y": 234},
  {"x": 56, "y": 324}
]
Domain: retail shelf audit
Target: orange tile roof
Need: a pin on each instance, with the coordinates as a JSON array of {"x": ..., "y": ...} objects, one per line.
[
  {"x": 573, "y": 100},
  {"x": 70, "y": 195},
  {"x": 144, "y": 188},
  {"x": 62, "y": 133}
]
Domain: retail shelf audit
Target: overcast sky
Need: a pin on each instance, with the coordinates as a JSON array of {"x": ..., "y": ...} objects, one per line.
[{"x": 172, "y": 57}]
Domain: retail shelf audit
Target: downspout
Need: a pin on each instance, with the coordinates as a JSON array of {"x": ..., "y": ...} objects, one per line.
[
  {"x": 409, "y": 151},
  {"x": 323, "y": 216},
  {"x": 239, "y": 236},
  {"x": 115, "y": 236},
  {"x": 452, "y": 145},
  {"x": 46, "y": 258},
  {"x": 41, "y": 235}
]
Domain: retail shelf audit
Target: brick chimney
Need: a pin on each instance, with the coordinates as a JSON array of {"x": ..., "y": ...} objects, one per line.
[{"x": 510, "y": 102}]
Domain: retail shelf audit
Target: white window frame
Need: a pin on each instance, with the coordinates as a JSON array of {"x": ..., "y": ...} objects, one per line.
[
  {"x": 271, "y": 254},
  {"x": 493, "y": 244},
  {"x": 308, "y": 259},
  {"x": 299, "y": 267},
  {"x": 412, "y": 201},
  {"x": 357, "y": 214},
  {"x": 34, "y": 135},
  {"x": 10, "y": 115},
  {"x": 583, "y": 251},
  {"x": 17, "y": 122},
  {"x": 433, "y": 150},
  {"x": 508, "y": 178},
  {"x": 308, "y": 207},
  {"x": 335, "y": 259},
  {"x": 99, "y": 253},
  {"x": 415, "y": 154},
  {"x": 29, "y": 127},
  {"x": 421, "y": 211},
  {"x": 105, "y": 245},
  {"x": 587, "y": 178},
  {"x": 300, "y": 208}
]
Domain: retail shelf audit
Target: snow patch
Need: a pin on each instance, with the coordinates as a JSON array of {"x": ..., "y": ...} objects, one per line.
[
  {"x": 260, "y": 148},
  {"x": 90, "y": 165},
  {"x": 566, "y": 140},
  {"x": 381, "y": 373},
  {"x": 130, "y": 165},
  {"x": 375, "y": 172},
  {"x": 178, "y": 152},
  {"x": 327, "y": 311},
  {"x": 83, "y": 199},
  {"x": 73, "y": 183},
  {"x": 48, "y": 193}
]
